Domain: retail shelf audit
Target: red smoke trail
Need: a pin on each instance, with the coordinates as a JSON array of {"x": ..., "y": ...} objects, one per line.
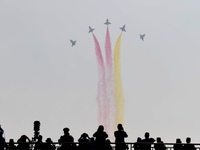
[
  {"x": 109, "y": 83},
  {"x": 101, "y": 95}
]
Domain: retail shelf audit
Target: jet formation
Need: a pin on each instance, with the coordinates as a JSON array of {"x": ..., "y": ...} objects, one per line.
[
  {"x": 142, "y": 36},
  {"x": 107, "y": 23},
  {"x": 123, "y": 28},
  {"x": 73, "y": 42}
]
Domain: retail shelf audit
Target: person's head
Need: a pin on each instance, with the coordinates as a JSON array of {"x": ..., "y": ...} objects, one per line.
[
  {"x": 48, "y": 140},
  {"x": 23, "y": 138},
  {"x": 119, "y": 127},
  {"x": 11, "y": 141},
  {"x": 139, "y": 139},
  {"x": 84, "y": 135},
  {"x": 66, "y": 130},
  {"x": 101, "y": 128},
  {"x": 158, "y": 140},
  {"x": 188, "y": 140},
  {"x": 40, "y": 138},
  {"x": 146, "y": 135},
  {"x": 178, "y": 141}
]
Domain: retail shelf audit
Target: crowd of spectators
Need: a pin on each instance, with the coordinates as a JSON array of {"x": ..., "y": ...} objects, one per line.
[{"x": 99, "y": 141}]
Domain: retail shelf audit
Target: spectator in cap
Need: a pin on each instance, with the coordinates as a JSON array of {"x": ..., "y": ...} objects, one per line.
[{"x": 66, "y": 140}]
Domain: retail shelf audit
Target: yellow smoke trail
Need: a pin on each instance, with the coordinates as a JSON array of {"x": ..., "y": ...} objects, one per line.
[{"x": 119, "y": 98}]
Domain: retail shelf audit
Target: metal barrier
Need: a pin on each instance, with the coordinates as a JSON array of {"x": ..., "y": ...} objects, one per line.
[{"x": 130, "y": 145}]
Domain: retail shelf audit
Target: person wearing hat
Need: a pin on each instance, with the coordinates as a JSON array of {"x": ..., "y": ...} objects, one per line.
[{"x": 66, "y": 140}]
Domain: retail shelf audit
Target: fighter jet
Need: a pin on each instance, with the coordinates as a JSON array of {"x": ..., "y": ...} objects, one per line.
[
  {"x": 90, "y": 29},
  {"x": 73, "y": 42},
  {"x": 123, "y": 28},
  {"x": 142, "y": 36},
  {"x": 107, "y": 22}
]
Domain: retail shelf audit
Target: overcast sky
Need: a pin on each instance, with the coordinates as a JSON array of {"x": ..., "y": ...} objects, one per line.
[{"x": 43, "y": 78}]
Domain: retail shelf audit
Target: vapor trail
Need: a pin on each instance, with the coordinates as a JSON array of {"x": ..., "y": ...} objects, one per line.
[
  {"x": 109, "y": 82},
  {"x": 119, "y": 97},
  {"x": 101, "y": 93}
]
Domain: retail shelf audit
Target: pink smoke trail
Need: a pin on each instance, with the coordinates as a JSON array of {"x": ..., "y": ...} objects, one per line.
[
  {"x": 101, "y": 94},
  {"x": 109, "y": 83}
]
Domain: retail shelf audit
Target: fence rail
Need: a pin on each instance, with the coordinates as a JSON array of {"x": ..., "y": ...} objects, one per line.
[{"x": 130, "y": 145}]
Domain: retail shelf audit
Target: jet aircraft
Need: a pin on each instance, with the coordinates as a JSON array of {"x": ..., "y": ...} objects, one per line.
[
  {"x": 90, "y": 29},
  {"x": 142, "y": 36},
  {"x": 107, "y": 22},
  {"x": 73, "y": 42},
  {"x": 123, "y": 28}
]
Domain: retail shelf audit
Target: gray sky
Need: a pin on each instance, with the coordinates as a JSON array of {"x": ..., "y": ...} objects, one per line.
[{"x": 44, "y": 78}]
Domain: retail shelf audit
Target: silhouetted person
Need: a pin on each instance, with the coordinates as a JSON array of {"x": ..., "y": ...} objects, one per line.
[
  {"x": 11, "y": 145},
  {"x": 138, "y": 145},
  {"x": 3, "y": 144},
  {"x": 120, "y": 135},
  {"x": 147, "y": 142},
  {"x": 1, "y": 131},
  {"x": 66, "y": 141},
  {"x": 84, "y": 141},
  {"x": 159, "y": 145},
  {"x": 178, "y": 145},
  {"x": 2, "y": 139},
  {"x": 100, "y": 138},
  {"x": 189, "y": 146},
  {"x": 49, "y": 145},
  {"x": 39, "y": 145},
  {"x": 23, "y": 143}
]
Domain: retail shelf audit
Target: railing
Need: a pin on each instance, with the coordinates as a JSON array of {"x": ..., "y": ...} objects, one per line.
[
  {"x": 169, "y": 146},
  {"x": 130, "y": 145}
]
